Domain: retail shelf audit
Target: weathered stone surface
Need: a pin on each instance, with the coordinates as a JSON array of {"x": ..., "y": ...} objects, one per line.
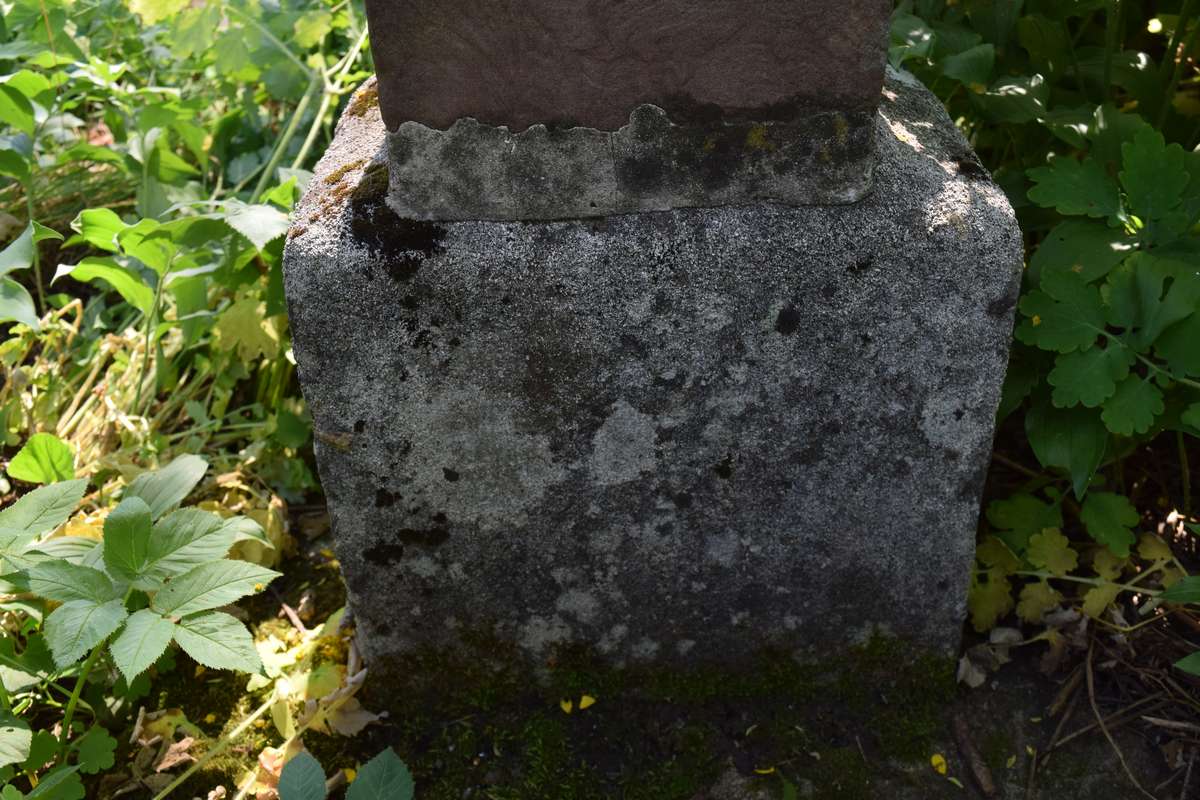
[
  {"x": 589, "y": 63},
  {"x": 563, "y": 109},
  {"x": 671, "y": 436}
]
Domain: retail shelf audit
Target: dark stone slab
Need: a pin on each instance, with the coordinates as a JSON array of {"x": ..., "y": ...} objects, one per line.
[
  {"x": 589, "y": 63},
  {"x": 677, "y": 436}
]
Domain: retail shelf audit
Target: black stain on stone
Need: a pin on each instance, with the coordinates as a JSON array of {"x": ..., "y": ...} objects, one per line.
[
  {"x": 724, "y": 470},
  {"x": 385, "y": 499},
  {"x": 450, "y": 474},
  {"x": 425, "y": 537},
  {"x": 402, "y": 244},
  {"x": 788, "y": 321},
  {"x": 809, "y": 455},
  {"x": 1002, "y": 307},
  {"x": 683, "y": 500},
  {"x": 386, "y": 554},
  {"x": 862, "y": 265},
  {"x": 828, "y": 291},
  {"x": 360, "y": 426}
]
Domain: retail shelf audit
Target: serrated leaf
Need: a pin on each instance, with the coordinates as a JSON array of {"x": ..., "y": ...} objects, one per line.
[
  {"x": 311, "y": 28},
  {"x": 165, "y": 488},
  {"x": 1154, "y": 549},
  {"x": 1133, "y": 407},
  {"x": 127, "y": 538},
  {"x": 16, "y": 305},
  {"x": 1065, "y": 314},
  {"x": 44, "y": 459},
  {"x": 211, "y": 585},
  {"x": 1109, "y": 519},
  {"x": 1051, "y": 551},
  {"x": 1098, "y": 598},
  {"x": 96, "y": 750},
  {"x": 989, "y": 600},
  {"x": 384, "y": 777},
  {"x": 994, "y": 553},
  {"x": 1075, "y": 188},
  {"x": 244, "y": 327},
  {"x": 1154, "y": 175},
  {"x": 1108, "y": 565},
  {"x": 152, "y": 11},
  {"x": 1089, "y": 377},
  {"x": 218, "y": 640},
  {"x": 44, "y": 509},
  {"x": 1087, "y": 248},
  {"x": 77, "y": 626},
  {"x": 15, "y": 739},
  {"x": 1037, "y": 599},
  {"x": 63, "y": 581},
  {"x": 261, "y": 224},
  {"x": 143, "y": 639},
  {"x": 302, "y": 778},
  {"x": 181, "y": 540},
  {"x": 124, "y": 281},
  {"x": 1020, "y": 516},
  {"x": 1185, "y": 590},
  {"x": 1136, "y": 300},
  {"x": 1177, "y": 346}
]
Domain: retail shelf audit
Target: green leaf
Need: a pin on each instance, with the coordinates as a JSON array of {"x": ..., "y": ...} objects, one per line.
[
  {"x": 1109, "y": 519},
  {"x": 1191, "y": 416},
  {"x": 16, "y": 305},
  {"x": 219, "y": 641},
  {"x": 311, "y": 28},
  {"x": 77, "y": 626},
  {"x": 384, "y": 777},
  {"x": 14, "y": 165},
  {"x": 1088, "y": 248},
  {"x": 302, "y": 779},
  {"x": 42, "y": 751},
  {"x": 1185, "y": 590},
  {"x": 1075, "y": 188},
  {"x": 1177, "y": 346},
  {"x": 1154, "y": 175},
  {"x": 180, "y": 541},
  {"x": 16, "y": 110},
  {"x": 1089, "y": 377},
  {"x": 99, "y": 227},
  {"x": 971, "y": 67},
  {"x": 1137, "y": 303},
  {"x": 44, "y": 459},
  {"x": 126, "y": 283},
  {"x": 1133, "y": 407},
  {"x": 63, "y": 581},
  {"x": 44, "y": 509},
  {"x": 96, "y": 750},
  {"x": 261, "y": 224},
  {"x": 1190, "y": 664},
  {"x": 60, "y": 783},
  {"x": 211, "y": 585},
  {"x": 19, "y": 253},
  {"x": 1020, "y": 517},
  {"x": 144, "y": 638},
  {"x": 152, "y": 11},
  {"x": 15, "y": 739},
  {"x": 127, "y": 538},
  {"x": 1073, "y": 439},
  {"x": 1065, "y": 314},
  {"x": 167, "y": 487}
]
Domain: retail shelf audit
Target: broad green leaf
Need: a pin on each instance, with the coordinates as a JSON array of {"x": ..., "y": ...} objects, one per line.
[
  {"x": 42, "y": 751},
  {"x": 96, "y": 750},
  {"x": 243, "y": 326},
  {"x": 1089, "y": 377},
  {"x": 165, "y": 488},
  {"x": 14, "y": 165},
  {"x": 67, "y": 548},
  {"x": 384, "y": 777},
  {"x": 123, "y": 280},
  {"x": 1020, "y": 517},
  {"x": 152, "y": 11},
  {"x": 1177, "y": 346},
  {"x": 1086, "y": 247},
  {"x": 311, "y": 28},
  {"x": 1065, "y": 314},
  {"x": 15, "y": 739},
  {"x": 972, "y": 67},
  {"x": 1190, "y": 663},
  {"x": 1154, "y": 175},
  {"x": 1191, "y": 416},
  {"x": 261, "y": 224},
  {"x": 1133, "y": 407},
  {"x": 219, "y": 641},
  {"x": 60, "y": 783},
  {"x": 1014, "y": 99},
  {"x": 16, "y": 305},
  {"x": 1185, "y": 590},
  {"x": 64, "y": 581},
  {"x": 41, "y": 233},
  {"x": 77, "y": 626},
  {"x": 143, "y": 639},
  {"x": 1073, "y": 439},
  {"x": 245, "y": 529},
  {"x": 1136, "y": 300},
  {"x": 302, "y": 779},
  {"x": 127, "y": 538},
  {"x": 16, "y": 110},
  {"x": 99, "y": 227},
  {"x": 1109, "y": 519},
  {"x": 19, "y": 253},
  {"x": 181, "y": 540},
  {"x": 211, "y": 585},
  {"x": 44, "y": 459},
  {"x": 44, "y": 509},
  {"x": 1075, "y": 188}
]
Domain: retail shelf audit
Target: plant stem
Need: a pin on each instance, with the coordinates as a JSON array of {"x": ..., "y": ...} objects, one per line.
[
  {"x": 217, "y": 748},
  {"x": 264, "y": 180},
  {"x": 36, "y": 263},
  {"x": 69, "y": 714},
  {"x": 1126, "y": 587},
  {"x": 150, "y": 320}
]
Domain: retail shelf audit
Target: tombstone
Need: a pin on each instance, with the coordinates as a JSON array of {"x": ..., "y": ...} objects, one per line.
[{"x": 670, "y": 330}]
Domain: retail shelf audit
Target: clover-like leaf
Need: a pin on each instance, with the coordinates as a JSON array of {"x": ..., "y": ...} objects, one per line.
[
  {"x": 1098, "y": 598},
  {"x": 44, "y": 459},
  {"x": 1177, "y": 346},
  {"x": 1089, "y": 377},
  {"x": 96, "y": 750},
  {"x": 1154, "y": 174},
  {"x": 1110, "y": 519},
  {"x": 1075, "y": 188},
  {"x": 1051, "y": 551},
  {"x": 1036, "y": 599},
  {"x": 1066, "y": 314},
  {"x": 989, "y": 599},
  {"x": 1021, "y": 516},
  {"x": 1088, "y": 248},
  {"x": 1134, "y": 406}
]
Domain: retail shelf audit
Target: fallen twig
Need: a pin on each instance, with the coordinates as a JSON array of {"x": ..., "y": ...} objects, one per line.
[
  {"x": 979, "y": 767},
  {"x": 1091, "y": 684}
]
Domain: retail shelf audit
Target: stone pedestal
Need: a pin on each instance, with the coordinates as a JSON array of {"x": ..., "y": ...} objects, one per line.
[{"x": 673, "y": 436}]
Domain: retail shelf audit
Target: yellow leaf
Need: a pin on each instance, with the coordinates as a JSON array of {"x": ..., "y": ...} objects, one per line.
[
  {"x": 995, "y": 553},
  {"x": 587, "y": 701},
  {"x": 989, "y": 600},
  {"x": 1170, "y": 576},
  {"x": 1050, "y": 550},
  {"x": 938, "y": 762},
  {"x": 766, "y": 771},
  {"x": 1012, "y": 762},
  {"x": 956, "y": 782},
  {"x": 1108, "y": 565},
  {"x": 567, "y": 706},
  {"x": 1099, "y": 598},
  {"x": 244, "y": 326},
  {"x": 350, "y": 774},
  {"x": 1036, "y": 600},
  {"x": 152, "y": 11},
  {"x": 1153, "y": 548}
]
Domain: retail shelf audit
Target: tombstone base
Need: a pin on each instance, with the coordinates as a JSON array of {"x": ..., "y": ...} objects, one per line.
[{"x": 676, "y": 437}]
